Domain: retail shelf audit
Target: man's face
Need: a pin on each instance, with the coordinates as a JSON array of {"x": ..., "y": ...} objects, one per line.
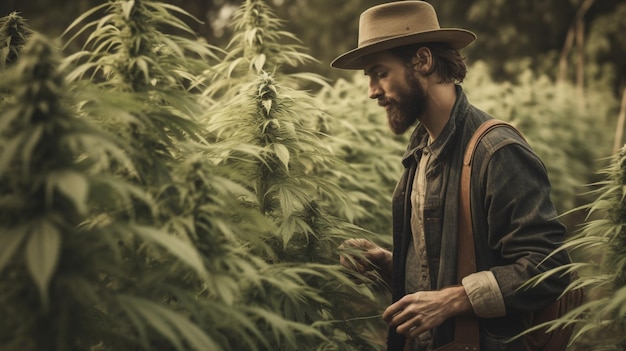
[{"x": 397, "y": 89}]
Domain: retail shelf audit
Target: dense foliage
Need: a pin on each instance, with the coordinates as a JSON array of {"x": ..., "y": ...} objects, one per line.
[
  {"x": 148, "y": 214},
  {"x": 569, "y": 138},
  {"x": 600, "y": 268},
  {"x": 161, "y": 193}
]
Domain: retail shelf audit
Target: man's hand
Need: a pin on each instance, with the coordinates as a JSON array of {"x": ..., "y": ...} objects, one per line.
[
  {"x": 424, "y": 310},
  {"x": 363, "y": 256}
]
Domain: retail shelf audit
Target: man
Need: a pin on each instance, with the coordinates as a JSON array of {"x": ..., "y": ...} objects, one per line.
[{"x": 414, "y": 69}]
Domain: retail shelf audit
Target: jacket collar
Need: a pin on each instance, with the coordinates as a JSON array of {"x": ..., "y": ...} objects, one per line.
[{"x": 419, "y": 138}]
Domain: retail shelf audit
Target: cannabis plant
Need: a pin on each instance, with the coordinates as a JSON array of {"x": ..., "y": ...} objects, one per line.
[
  {"x": 13, "y": 35},
  {"x": 600, "y": 321},
  {"x": 259, "y": 45},
  {"x": 146, "y": 81},
  {"x": 264, "y": 129},
  {"x": 356, "y": 129},
  {"x": 148, "y": 72},
  {"x": 263, "y": 137},
  {"x": 68, "y": 285}
]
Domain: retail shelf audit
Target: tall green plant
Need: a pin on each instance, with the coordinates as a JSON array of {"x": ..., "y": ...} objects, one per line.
[
  {"x": 146, "y": 92},
  {"x": 600, "y": 321},
  {"x": 259, "y": 45},
  {"x": 13, "y": 35},
  {"x": 149, "y": 72},
  {"x": 264, "y": 138},
  {"x": 356, "y": 130},
  {"x": 150, "y": 77},
  {"x": 68, "y": 285},
  {"x": 232, "y": 304},
  {"x": 264, "y": 129}
]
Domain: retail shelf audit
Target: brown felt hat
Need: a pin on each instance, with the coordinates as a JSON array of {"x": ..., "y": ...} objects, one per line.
[{"x": 396, "y": 24}]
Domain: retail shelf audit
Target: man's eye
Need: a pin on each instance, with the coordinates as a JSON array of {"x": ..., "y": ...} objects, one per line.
[{"x": 381, "y": 74}]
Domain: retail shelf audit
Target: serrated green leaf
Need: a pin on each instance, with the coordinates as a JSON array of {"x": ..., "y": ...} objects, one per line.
[
  {"x": 283, "y": 154},
  {"x": 267, "y": 104},
  {"x": 226, "y": 287},
  {"x": 72, "y": 185},
  {"x": 284, "y": 329},
  {"x": 29, "y": 144},
  {"x": 170, "y": 324},
  {"x": 250, "y": 36},
  {"x": 10, "y": 240},
  {"x": 80, "y": 19},
  {"x": 174, "y": 47},
  {"x": 42, "y": 255},
  {"x": 233, "y": 65},
  {"x": 259, "y": 62},
  {"x": 9, "y": 151},
  {"x": 127, "y": 8},
  {"x": 311, "y": 77},
  {"x": 142, "y": 64},
  {"x": 179, "y": 248}
]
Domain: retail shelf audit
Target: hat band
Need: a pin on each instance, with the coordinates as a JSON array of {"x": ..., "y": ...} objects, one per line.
[{"x": 375, "y": 40}]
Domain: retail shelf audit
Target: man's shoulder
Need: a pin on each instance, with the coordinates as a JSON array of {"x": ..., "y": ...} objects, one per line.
[{"x": 501, "y": 136}]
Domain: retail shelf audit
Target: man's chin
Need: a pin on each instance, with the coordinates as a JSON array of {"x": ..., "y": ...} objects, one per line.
[
  {"x": 398, "y": 130},
  {"x": 396, "y": 127}
]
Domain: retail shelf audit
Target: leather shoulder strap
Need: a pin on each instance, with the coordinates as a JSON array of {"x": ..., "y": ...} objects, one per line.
[
  {"x": 466, "y": 327},
  {"x": 467, "y": 259}
]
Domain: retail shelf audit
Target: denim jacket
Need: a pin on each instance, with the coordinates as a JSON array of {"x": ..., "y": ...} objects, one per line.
[{"x": 514, "y": 221}]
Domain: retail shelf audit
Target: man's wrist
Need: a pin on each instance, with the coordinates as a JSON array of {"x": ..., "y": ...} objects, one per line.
[{"x": 458, "y": 301}]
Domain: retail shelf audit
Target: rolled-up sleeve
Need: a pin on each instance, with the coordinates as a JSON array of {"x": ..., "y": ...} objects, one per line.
[{"x": 484, "y": 294}]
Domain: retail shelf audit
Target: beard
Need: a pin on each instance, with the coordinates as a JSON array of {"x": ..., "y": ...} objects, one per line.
[{"x": 407, "y": 109}]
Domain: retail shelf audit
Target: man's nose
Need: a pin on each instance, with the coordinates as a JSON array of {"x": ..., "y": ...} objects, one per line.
[{"x": 375, "y": 91}]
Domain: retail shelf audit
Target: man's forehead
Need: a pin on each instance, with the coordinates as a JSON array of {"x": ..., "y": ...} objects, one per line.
[
  {"x": 378, "y": 60},
  {"x": 376, "y": 57}
]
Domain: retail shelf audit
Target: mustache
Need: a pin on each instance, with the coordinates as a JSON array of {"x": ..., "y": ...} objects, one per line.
[{"x": 383, "y": 102}]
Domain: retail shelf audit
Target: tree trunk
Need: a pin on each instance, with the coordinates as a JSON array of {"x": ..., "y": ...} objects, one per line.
[
  {"x": 620, "y": 123},
  {"x": 569, "y": 40},
  {"x": 567, "y": 46},
  {"x": 580, "y": 63}
]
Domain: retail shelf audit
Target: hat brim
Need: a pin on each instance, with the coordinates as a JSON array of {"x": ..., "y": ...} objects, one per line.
[{"x": 456, "y": 38}]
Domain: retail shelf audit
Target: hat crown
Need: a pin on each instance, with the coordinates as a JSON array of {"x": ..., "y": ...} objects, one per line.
[
  {"x": 400, "y": 23},
  {"x": 396, "y": 19}
]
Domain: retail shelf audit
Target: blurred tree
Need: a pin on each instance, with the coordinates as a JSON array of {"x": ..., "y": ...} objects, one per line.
[{"x": 513, "y": 36}]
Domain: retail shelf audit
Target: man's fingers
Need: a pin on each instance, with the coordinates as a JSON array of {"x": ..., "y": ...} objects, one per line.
[
  {"x": 352, "y": 262},
  {"x": 399, "y": 306},
  {"x": 416, "y": 313},
  {"x": 393, "y": 313},
  {"x": 412, "y": 327},
  {"x": 361, "y": 243},
  {"x": 353, "y": 255}
]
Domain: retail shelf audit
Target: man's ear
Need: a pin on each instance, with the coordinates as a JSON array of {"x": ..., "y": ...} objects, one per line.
[{"x": 422, "y": 60}]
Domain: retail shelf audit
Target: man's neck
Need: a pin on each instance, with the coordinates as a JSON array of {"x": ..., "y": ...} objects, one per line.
[{"x": 441, "y": 99}]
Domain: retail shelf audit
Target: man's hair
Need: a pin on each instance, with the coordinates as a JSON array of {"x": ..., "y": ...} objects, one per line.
[{"x": 447, "y": 62}]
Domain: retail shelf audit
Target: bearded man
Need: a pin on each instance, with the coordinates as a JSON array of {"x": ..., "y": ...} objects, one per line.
[{"x": 415, "y": 70}]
